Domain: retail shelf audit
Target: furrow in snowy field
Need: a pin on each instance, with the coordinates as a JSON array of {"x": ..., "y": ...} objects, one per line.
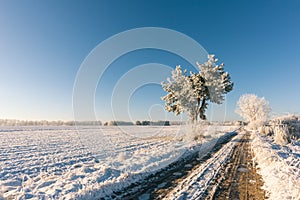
[{"x": 56, "y": 162}]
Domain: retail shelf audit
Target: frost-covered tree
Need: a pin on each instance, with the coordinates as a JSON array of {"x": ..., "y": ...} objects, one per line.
[
  {"x": 191, "y": 93},
  {"x": 281, "y": 134},
  {"x": 179, "y": 97},
  {"x": 253, "y": 109}
]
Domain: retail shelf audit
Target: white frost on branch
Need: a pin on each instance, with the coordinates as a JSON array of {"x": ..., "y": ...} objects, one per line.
[
  {"x": 191, "y": 93},
  {"x": 179, "y": 97},
  {"x": 253, "y": 109},
  {"x": 216, "y": 80}
]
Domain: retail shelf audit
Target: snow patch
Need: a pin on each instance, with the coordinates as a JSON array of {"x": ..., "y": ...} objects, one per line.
[{"x": 279, "y": 166}]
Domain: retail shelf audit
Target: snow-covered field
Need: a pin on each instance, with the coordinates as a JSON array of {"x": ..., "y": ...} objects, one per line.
[
  {"x": 69, "y": 163},
  {"x": 279, "y": 167}
]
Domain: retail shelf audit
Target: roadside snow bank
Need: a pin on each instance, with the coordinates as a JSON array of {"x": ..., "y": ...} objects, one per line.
[{"x": 279, "y": 167}]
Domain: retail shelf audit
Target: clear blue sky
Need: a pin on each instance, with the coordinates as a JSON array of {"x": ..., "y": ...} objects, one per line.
[{"x": 42, "y": 45}]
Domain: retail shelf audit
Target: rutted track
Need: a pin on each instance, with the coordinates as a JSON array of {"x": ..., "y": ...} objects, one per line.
[
  {"x": 238, "y": 178},
  {"x": 159, "y": 184}
]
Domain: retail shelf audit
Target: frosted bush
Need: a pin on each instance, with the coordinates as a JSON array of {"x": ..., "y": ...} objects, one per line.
[
  {"x": 281, "y": 135},
  {"x": 265, "y": 130},
  {"x": 268, "y": 130},
  {"x": 195, "y": 132},
  {"x": 253, "y": 109},
  {"x": 255, "y": 125},
  {"x": 291, "y": 122}
]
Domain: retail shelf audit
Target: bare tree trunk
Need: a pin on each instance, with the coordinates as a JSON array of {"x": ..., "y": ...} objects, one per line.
[
  {"x": 197, "y": 109},
  {"x": 202, "y": 110}
]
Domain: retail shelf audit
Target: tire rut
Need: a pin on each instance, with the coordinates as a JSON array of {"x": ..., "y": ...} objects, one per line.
[
  {"x": 157, "y": 185},
  {"x": 238, "y": 179}
]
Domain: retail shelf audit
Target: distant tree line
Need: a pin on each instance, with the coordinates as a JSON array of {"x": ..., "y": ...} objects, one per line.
[
  {"x": 118, "y": 123},
  {"x": 138, "y": 123},
  {"x": 14, "y": 122},
  {"x": 151, "y": 123}
]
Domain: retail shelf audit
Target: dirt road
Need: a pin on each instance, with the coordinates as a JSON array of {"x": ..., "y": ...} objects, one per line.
[
  {"x": 237, "y": 178},
  {"x": 157, "y": 185}
]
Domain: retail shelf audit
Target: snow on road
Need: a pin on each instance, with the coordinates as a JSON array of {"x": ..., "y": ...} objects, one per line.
[
  {"x": 59, "y": 162},
  {"x": 197, "y": 182},
  {"x": 279, "y": 167}
]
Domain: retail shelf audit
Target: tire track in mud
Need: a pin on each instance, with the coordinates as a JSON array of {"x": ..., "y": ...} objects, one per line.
[
  {"x": 238, "y": 179},
  {"x": 157, "y": 185}
]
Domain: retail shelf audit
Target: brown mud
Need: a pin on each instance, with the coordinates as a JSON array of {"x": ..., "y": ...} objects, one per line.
[{"x": 239, "y": 178}]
